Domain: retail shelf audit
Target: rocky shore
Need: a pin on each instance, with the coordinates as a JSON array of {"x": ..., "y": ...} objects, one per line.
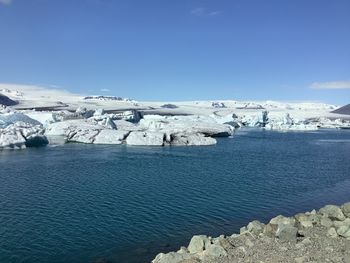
[{"x": 316, "y": 236}]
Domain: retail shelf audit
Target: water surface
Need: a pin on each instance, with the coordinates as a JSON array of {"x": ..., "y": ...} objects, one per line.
[{"x": 83, "y": 203}]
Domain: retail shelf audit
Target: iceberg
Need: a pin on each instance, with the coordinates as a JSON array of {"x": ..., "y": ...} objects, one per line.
[
  {"x": 21, "y": 135},
  {"x": 148, "y": 138}
]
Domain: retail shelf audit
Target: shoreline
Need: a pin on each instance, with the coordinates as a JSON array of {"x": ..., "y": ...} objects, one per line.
[{"x": 315, "y": 236}]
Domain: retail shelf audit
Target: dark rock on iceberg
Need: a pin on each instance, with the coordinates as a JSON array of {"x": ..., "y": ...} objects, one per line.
[{"x": 4, "y": 100}]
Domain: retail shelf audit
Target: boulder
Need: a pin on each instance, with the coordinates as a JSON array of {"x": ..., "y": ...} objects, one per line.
[
  {"x": 255, "y": 227},
  {"x": 304, "y": 220},
  {"x": 332, "y": 232},
  {"x": 333, "y": 212},
  {"x": 344, "y": 231},
  {"x": 326, "y": 222},
  {"x": 283, "y": 228},
  {"x": 171, "y": 257},
  {"x": 198, "y": 244},
  {"x": 286, "y": 232},
  {"x": 346, "y": 209},
  {"x": 215, "y": 251},
  {"x": 270, "y": 230},
  {"x": 346, "y": 222},
  {"x": 4, "y": 100},
  {"x": 282, "y": 220}
]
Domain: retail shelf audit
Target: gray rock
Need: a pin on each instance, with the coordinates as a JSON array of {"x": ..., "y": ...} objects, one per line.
[
  {"x": 304, "y": 220},
  {"x": 301, "y": 259},
  {"x": 332, "y": 232},
  {"x": 338, "y": 224},
  {"x": 183, "y": 250},
  {"x": 286, "y": 232},
  {"x": 215, "y": 251},
  {"x": 255, "y": 227},
  {"x": 270, "y": 230},
  {"x": 243, "y": 229},
  {"x": 198, "y": 244},
  {"x": 344, "y": 231},
  {"x": 346, "y": 209},
  {"x": 326, "y": 222},
  {"x": 171, "y": 257},
  {"x": 278, "y": 220},
  {"x": 333, "y": 212}
]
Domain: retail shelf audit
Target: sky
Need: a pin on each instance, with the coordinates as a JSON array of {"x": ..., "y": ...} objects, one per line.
[{"x": 289, "y": 50}]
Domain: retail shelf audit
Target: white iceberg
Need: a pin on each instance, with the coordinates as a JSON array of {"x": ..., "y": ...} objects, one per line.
[{"x": 146, "y": 138}]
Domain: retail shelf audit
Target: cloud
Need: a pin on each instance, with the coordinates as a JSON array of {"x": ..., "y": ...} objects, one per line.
[
  {"x": 341, "y": 84},
  {"x": 5, "y": 2},
  {"x": 201, "y": 11},
  {"x": 105, "y": 90}
]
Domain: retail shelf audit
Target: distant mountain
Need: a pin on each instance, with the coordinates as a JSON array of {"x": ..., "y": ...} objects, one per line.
[
  {"x": 343, "y": 110},
  {"x": 4, "y": 100}
]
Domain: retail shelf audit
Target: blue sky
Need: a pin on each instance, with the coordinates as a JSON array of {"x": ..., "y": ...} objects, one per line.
[{"x": 180, "y": 50}]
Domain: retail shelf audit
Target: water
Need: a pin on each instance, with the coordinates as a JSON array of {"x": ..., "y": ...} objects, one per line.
[{"x": 82, "y": 203}]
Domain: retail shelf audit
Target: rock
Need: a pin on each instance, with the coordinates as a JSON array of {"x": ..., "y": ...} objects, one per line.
[
  {"x": 301, "y": 259},
  {"x": 215, "y": 251},
  {"x": 183, "y": 250},
  {"x": 304, "y": 220},
  {"x": 243, "y": 230},
  {"x": 110, "y": 137},
  {"x": 270, "y": 230},
  {"x": 249, "y": 243},
  {"x": 223, "y": 242},
  {"x": 171, "y": 257},
  {"x": 333, "y": 212},
  {"x": 282, "y": 220},
  {"x": 346, "y": 209},
  {"x": 145, "y": 138},
  {"x": 4, "y": 100},
  {"x": 286, "y": 232},
  {"x": 198, "y": 244},
  {"x": 306, "y": 241},
  {"x": 344, "y": 231},
  {"x": 326, "y": 222},
  {"x": 255, "y": 227},
  {"x": 332, "y": 232},
  {"x": 346, "y": 222}
]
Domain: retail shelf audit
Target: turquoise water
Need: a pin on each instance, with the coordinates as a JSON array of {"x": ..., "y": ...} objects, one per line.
[{"x": 83, "y": 203}]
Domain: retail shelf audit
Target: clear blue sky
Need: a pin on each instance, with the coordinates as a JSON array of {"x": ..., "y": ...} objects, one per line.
[{"x": 180, "y": 49}]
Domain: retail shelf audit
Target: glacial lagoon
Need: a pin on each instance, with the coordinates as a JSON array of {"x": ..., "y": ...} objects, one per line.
[{"x": 96, "y": 203}]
